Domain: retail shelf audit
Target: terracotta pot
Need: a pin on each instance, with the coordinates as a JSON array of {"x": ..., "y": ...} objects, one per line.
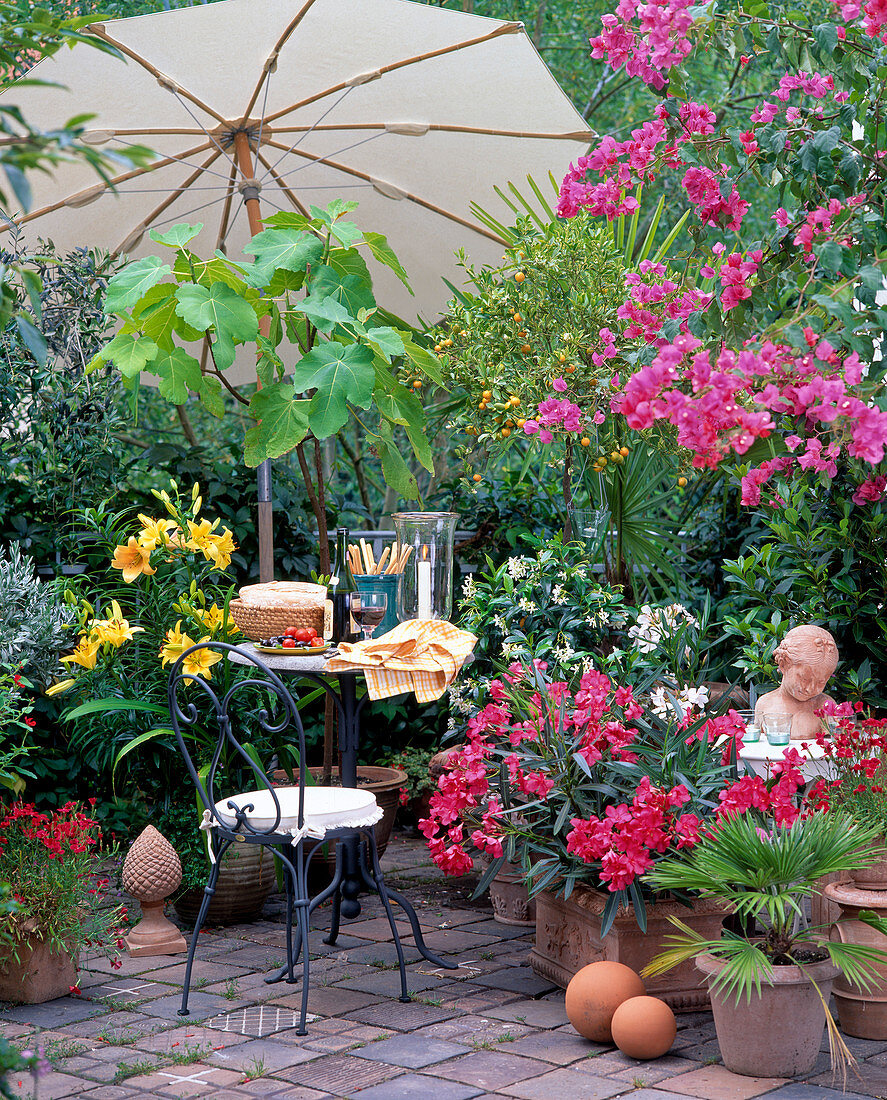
[
  {"x": 568, "y": 937},
  {"x": 40, "y": 974},
  {"x": 510, "y": 898},
  {"x": 779, "y": 1031},
  {"x": 861, "y": 1013},
  {"x": 246, "y": 879},
  {"x": 823, "y": 911},
  {"x": 874, "y": 877}
]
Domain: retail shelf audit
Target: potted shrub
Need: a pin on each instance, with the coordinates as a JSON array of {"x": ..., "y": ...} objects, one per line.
[
  {"x": 57, "y": 908},
  {"x": 589, "y": 794},
  {"x": 770, "y": 983}
]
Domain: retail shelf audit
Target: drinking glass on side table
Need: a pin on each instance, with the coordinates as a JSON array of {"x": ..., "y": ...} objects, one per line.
[{"x": 777, "y": 727}]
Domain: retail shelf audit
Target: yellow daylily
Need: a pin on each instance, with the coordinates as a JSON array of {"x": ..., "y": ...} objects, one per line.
[
  {"x": 201, "y": 533},
  {"x": 133, "y": 559},
  {"x": 201, "y": 661},
  {"x": 61, "y": 686},
  {"x": 154, "y": 532},
  {"x": 115, "y": 629},
  {"x": 85, "y": 654},
  {"x": 175, "y": 645},
  {"x": 220, "y": 548},
  {"x": 213, "y": 618}
]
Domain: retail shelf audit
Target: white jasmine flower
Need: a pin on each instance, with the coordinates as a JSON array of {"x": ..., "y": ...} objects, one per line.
[{"x": 526, "y": 605}]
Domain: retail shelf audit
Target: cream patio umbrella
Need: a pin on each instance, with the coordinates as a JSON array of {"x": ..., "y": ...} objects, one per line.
[{"x": 256, "y": 106}]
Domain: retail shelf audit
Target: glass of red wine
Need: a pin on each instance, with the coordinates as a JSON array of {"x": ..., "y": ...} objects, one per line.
[{"x": 371, "y": 612}]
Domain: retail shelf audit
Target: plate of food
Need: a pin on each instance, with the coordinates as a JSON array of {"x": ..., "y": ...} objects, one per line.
[{"x": 296, "y": 641}]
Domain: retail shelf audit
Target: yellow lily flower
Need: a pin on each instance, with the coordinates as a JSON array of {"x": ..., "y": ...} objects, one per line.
[
  {"x": 200, "y": 661},
  {"x": 133, "y": 559},
  {"x": 220, "y": 548},
  {"x": 175, "y": 646},
  {"x": 201, "y": 533},
  {"x": 85, "y": 654},
  {"x": 154, "y": 532},
  {"x": 115, "y": 629},
  {"x": 61, "y": 686}
]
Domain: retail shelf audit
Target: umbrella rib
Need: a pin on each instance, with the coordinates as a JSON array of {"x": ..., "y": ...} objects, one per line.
[
  {"x": 167, "y": 202},
  {"x": 281, "y": 183},
  {"x": 505, "y": 28},
  {"x": 110, "y": 184},
  {"x": 334, "y": 153},
  {"x": 271, "y": 61},
  {"x": 444, "y": 127},
  {"x": 98, "y": 29},
  {"x": 401, "y": 193}
]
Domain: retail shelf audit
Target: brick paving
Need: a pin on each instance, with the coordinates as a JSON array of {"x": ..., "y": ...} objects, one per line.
[{"x": 491, "y": 1030}]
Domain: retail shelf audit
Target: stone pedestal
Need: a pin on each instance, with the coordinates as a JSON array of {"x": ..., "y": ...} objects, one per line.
[{"x": 861, "y": 1013}]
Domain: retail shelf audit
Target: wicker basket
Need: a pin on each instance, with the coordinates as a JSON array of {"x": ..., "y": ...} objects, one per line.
[{"x": 269, "y": 622}]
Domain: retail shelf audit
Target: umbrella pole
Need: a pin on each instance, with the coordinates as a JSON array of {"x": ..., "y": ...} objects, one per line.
[{"x": 249, "y": 188}]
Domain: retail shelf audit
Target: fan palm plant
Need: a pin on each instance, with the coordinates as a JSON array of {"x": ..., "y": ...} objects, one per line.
[{"x": 766, "y": 874}]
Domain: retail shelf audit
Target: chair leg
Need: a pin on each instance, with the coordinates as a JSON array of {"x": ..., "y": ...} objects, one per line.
[
  {"x": 208, "y": 892},
  {"x": 290, "y": 898},
  {"x": 382, "y": 890},
  {"x": 302, "y": 903},
  {"x": 335, "y": 888},
  {"x": 394, "y": 895}
]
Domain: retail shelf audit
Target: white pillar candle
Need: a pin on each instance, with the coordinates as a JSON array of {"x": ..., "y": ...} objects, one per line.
[{"x": 423, "y": 582}]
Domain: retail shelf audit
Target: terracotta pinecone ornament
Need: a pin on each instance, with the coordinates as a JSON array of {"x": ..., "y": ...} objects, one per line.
[{"x": 152, "y": 870}]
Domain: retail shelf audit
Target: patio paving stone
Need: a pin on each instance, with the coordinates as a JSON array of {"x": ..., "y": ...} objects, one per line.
[{"x": 488, "y": 1030}]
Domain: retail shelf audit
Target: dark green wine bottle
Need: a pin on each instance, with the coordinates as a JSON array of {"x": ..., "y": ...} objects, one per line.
[{"x": 342, "y": 592}]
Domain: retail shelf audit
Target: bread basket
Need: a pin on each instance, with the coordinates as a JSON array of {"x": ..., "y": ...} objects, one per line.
[{"x": 266, "y": 610}]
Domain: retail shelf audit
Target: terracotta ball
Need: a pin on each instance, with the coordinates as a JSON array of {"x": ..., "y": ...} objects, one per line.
[
  {"x": 594, "y": 994},
  {"x": 644, "y": 1027}
]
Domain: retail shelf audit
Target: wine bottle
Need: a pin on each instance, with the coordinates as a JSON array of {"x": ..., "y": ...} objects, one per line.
[{"x": 342, "y": 591}]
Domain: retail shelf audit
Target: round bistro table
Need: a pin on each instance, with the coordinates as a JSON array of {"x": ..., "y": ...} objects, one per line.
[{"x": 348, "y": 708}]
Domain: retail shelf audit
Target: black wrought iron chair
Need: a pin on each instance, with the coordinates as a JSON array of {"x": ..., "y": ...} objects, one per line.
[{"x": 279, "y": 818}]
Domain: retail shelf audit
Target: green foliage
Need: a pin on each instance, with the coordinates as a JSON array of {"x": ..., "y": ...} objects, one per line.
[
  {"x": 823, "y": 560},
  {"x": 57, "y": 425},
  {"x": 308, "y": 282},
  {"x": 15, "y": 725},
  {"x": 34, "y": 620}
]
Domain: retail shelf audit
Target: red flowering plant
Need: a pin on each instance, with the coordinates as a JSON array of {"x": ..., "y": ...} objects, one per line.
[
  {"x": 578, "y": 787},
  {"x": 16, "y": 723},
  {"x": 855, "y": 747},
  {"x": 49, "y": 861}
]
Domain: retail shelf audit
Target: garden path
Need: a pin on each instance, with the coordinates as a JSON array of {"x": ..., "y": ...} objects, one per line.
[{"x": 490, "y": 1030}]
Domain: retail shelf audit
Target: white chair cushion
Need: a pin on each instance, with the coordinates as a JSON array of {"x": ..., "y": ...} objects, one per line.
[{"x": 325, "y": 808}]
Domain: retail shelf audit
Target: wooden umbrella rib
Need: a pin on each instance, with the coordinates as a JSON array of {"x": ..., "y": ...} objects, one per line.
[
  {"x": 406, "y": 194},
  {"x": 444, "y": 127},
  {"x": 170, "y": 199},
  {"x": 278, "y": 179},
  {"x": 134, "y": 174},
  {"x": 271, "y": 60},
  {"x": 505, "y": 28},
  {"x": 98, "y": 29}
]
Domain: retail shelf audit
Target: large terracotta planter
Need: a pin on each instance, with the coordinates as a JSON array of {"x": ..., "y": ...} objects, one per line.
[
  {"x": 779, "y": 1031},
  {"x": 39, "y": 975},
  {"x": 568, "y": 937},
  {"x": 861, "y": 1012},
  {"x": 874, "y": 877},
  {"x": 246, "y": 878}
]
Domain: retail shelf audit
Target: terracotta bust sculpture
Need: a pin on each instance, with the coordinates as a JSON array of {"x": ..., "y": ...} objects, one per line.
[{"x": 806, "y": 657}]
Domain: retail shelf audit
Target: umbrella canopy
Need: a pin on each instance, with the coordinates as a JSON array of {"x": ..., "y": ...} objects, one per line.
[{"x": 255, "y": 106}]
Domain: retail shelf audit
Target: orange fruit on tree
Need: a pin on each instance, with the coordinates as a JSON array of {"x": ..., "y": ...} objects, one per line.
[
  {"x": 477, "y": 477},
  {"x": 585, "y": 441},
  {"x": 526, "y": 349},
  {"x": 487, "y": 394},
  {"x": 517, "y": 318},
  {"x": 624, "y": 452},
  {"x": 682, "y": 481},
  {"x": 417, "y": 385},
  {"x": 519, "y": 277}
]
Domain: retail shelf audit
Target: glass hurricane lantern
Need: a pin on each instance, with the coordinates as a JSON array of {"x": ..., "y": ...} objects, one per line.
[{"x": 425, "y": 590}]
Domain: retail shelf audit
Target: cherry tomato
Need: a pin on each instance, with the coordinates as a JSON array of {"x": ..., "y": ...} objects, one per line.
[
  {"x": 303, "y": 634},
  {"x": 288, "y": 643},
  {"x": 291, "y": 632}
]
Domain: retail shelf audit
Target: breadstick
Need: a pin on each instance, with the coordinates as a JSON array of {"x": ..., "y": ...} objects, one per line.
[
  {"x": 366, "y": 555},
  {"x": 404, "y": 558},
  {"x": 354, "y": 560},
  {"x": 380, "y": 568},
  {"x": 372, "y": 557},
  {"x": 395, "y": 559}
]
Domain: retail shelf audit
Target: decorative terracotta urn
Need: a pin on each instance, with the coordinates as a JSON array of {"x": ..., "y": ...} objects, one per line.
[
  {"x": 151, "y": 872},
  {"x": 568, "y": 937},
  {"x": 861, "y": 1012}
]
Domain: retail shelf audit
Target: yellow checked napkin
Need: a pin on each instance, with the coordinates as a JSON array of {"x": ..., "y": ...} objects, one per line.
[{"x": 423, "y": 656}]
